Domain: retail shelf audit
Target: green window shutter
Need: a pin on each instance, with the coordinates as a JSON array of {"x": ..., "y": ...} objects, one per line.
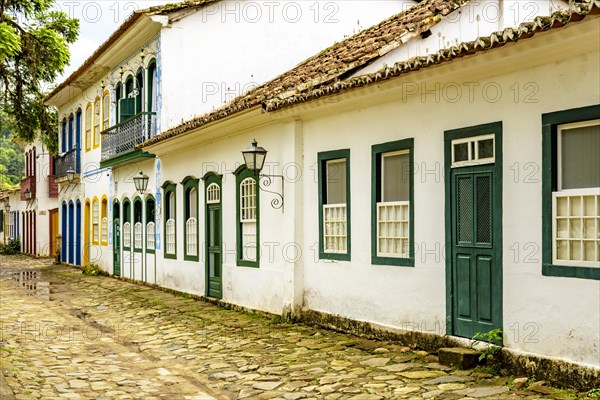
[
  {"x": 396, "y": 161},
  {"x": 169, "y": 211},
  {"x": 334, "y": 222},
  {"x": 126, "y": 108},
  {"x": 242, "y": 173},
  {"x": 190, "y": 189}
]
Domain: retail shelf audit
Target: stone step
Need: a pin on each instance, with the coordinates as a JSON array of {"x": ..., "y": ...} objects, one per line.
[{"x": 459, "y": 357}]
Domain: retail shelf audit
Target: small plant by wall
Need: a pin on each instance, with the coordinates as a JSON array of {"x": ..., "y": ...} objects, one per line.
[{"x": 13, "y": 246}]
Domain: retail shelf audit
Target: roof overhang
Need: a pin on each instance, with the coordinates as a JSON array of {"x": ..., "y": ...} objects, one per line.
[{"x": 132, "y": 34}]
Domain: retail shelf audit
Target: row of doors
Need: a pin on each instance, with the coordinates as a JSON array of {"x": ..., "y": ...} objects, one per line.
[{"x": 214, "y": 281}]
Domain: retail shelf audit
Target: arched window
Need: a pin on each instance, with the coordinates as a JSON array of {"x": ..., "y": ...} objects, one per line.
[
  {"x": 95, "y": 221},
  {"x": 140, "y": 91},
  {"x": 63, "y": 135},
  {"x": 106, "y": 110},
  {"x": 97, "y": 122},
  {"x": 150, "y": 225},
  {"x": 213, "y": 194},
  {"x": 137, "y": 227},
  {"x": 247, "y": 218},
  {"x": 152, "y": 87},
  {"x": 126, "y": 224},
  {"x": 104, "y": 221},
  {"x": 71, "y": 133},
  {"x": 118, "y": 93},
  {"x": 190, "y": 190},
  {"x": 78, "y": 129},
  {"x": 88, "y": 127},
  {"x": 169, "y": 220}
]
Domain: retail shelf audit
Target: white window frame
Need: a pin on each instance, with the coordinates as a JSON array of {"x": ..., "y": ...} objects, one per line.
[
  {"x": 332, "y": 206},
  {"x": 473, "y": 151},
  {"x": 213, "y": 194},
  {"x": 96, "y": 222},
  {"x": 150, "y": 235},
  {"x": 245, "y": 211},
  {"x": 583, "y": 217}
]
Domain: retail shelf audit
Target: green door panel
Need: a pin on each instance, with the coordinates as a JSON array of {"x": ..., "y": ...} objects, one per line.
[
  {"x": 476, "y": 272},
  {"x": 117, "y": 247},
  {"x": 214, "y": 260}
]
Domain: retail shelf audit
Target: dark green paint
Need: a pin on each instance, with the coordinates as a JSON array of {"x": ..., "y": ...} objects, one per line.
[
  {"x": 550, "y": 122},
  {"x": 214, "y": 239},
  {"x": 322, "y": 158},
  {"x": 473, "y": 269},
  {"x": 190, "y": 183},
  {"x": 242, "y": 173},
  {"x": 168, "y": 188},
  {"x": 376, "y": 151},
  {"x": 125, "y": 158}
]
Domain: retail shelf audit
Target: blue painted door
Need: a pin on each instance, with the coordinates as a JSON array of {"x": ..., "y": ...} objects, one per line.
[
  {"x": 64, "y": 222},
  {"x": 78, "y": 234},
  {"x": 71, "y": 233}
]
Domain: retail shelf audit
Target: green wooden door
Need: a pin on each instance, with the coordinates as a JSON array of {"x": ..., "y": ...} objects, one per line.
[
  {"x": 214, "y": 259},
  {"x": 117, "y": 247},
  {"x": 476, "y": 265}
]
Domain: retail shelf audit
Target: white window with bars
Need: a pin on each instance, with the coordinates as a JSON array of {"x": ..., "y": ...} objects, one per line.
[
  {"x": 95, "y": 225},
  {"x": 576, "y": 202},
  {"x": 137, "y": 236},
  {"x": 213, "y": 194},
  {"x": 150, "y": 236},
  {"x": 248, "y": 218},
  {"x": 335, "y": 232},
  {"x": 127, "y": 234},
  {"x": 170, "y": 236},
  {"x": 393, "y": 209},
  {"x": 191, "y": 240},
  {"x": 104, "y": 230}
]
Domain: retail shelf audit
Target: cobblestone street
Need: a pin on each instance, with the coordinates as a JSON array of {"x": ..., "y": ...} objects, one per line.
[{"x": 66, "y": 335}]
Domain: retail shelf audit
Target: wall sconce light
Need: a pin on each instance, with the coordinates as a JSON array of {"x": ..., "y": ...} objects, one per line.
[
  {"x": 121, "y": 72},
  {"x": 141, "y": 182},
  {"x": 7, "y": 207},
  {"x": 70, "y": 175},
  {"x": 254, "y": 157},
  {"x": 27, "y": 194},
  {"x": 142, "y": 55},
  {"x": 102, "y": 85}
]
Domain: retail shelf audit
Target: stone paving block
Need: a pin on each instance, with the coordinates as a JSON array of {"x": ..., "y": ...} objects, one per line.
[{"x": 459, "y": 357}]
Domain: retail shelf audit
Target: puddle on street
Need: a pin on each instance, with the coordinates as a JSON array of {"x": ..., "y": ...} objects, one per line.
[{"x": 34, "y": 285}]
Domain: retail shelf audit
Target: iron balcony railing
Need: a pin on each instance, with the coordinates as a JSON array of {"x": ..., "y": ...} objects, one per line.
[
  {"x": 69, "y": 161},
  {"x": 125, "y": 136}
]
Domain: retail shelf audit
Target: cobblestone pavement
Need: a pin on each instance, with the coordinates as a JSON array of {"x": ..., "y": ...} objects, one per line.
[{"x": 66, "y": 335}]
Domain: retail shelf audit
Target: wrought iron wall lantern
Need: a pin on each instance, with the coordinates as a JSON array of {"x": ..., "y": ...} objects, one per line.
[
  {"x": 141, "y": 182},
  {"x": 70, "y": 176},
  {"x": 254, "y": 157},
  {"x": 27, "y": 194}
]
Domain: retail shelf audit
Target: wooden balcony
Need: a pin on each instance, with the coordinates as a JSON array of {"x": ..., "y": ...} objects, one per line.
[{"x": 52, "y": 186}]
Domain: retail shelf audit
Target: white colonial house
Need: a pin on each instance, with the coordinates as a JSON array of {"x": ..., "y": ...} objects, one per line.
[{"x": 433, "y": 176}]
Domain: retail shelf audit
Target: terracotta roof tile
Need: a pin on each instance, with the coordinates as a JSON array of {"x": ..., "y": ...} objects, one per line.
[{"x": 323, "y": 74}]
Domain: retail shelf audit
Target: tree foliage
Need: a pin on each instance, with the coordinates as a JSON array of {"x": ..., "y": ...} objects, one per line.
[
  {"x": 34, "y": 39},
  {"x": 12, "y": 163}
]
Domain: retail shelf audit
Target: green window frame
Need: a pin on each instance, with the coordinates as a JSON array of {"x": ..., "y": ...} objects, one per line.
[
  {"x": 138, "y": 212},
  {"x": 249, "y": 209},
  {"x": 550, "y": 127},
  {"x": 150, "y": 216},
  {"x": 397, "y": 216},
  {"x": 126, "y": 225},
  {"x": 325, "y": 161},
  {"x": 191, "y": 237},
  {"x": 170, "y": 213}
]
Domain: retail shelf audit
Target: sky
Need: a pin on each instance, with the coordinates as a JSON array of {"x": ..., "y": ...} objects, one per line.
[{"x": 98, "y": 19}]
